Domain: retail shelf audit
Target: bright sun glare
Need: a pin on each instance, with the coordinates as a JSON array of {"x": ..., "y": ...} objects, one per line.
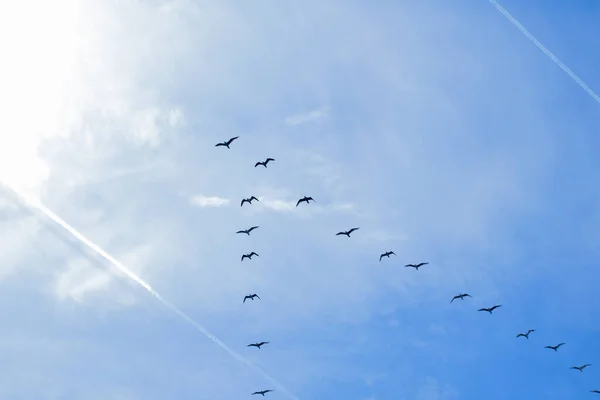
[{"x": 39, "y": 43}]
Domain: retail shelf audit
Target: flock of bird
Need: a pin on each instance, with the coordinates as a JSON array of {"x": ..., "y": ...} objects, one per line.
[{"x": 387, "y": 254}]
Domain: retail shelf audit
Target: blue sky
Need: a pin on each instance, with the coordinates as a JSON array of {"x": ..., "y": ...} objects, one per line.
[{"x": 436, "y": 127}]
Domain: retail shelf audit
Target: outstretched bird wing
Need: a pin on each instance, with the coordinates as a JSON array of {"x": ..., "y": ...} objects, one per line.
[
  {"x": 269, "y": 159},
  {"x": 255, "y": 254},
  {"x": 353, "y": 229},
  {"x": 341, "y": 233},
  {"x": 244, "y": 231},
  {"x": 484, "y": 309},
  {"x": 496, "y": 306},
  {"x": 257, "y": 164},
  {"x": 231, "y": 140},
  {"x": 220, "y": 144},
  {"x": 254, "y": 198},
  {"x": 252, "y": 228},
  {"x": 300, "y": 201},
  {"x": 245, "y": 298}
]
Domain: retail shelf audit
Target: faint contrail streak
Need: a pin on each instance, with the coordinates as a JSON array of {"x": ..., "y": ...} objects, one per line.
[
  {"x": 37, "y": 204},
  {"x": 540, "y": 46}
]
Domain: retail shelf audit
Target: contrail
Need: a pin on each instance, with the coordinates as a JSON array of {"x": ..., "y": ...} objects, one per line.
[
  {"x": 37, "y": 204},
  {"x": 540, "y": 46}
]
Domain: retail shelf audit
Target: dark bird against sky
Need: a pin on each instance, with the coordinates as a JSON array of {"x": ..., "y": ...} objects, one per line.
[
  {"x": 263, "y": 392},
  {"x": 348, "y": 232},
  {"x": 555, "y": 348},
  {"x": 264, "y": 163},
  {"x": 251, "y": 297},
  {"x": 257, "y": 345},
  {"x": 460, "y": 296},
  {"x": 247, "y": 231},
  {"x": 305, "y": 199},
  {"x": 416, "y": 266},
  {"x": 526, "y": 335},
  {"x": 386, "y": 254},
  {"x": 248, "y": 200},
  {"x": 226, "y": 143},
  {"x": 581, "y": 368},
  {"x": 249, "y": 256},
  {"x": 491, "y": 308}
]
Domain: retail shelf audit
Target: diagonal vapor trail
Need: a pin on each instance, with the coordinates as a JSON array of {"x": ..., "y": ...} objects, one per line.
[
  {"x": 543, "y": 48},
  {"x": 37, "y": 204}
]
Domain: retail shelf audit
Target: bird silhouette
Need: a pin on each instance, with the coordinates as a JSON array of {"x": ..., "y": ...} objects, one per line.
[
  {"x": 555, "y": 348},
  {"x": 526, "y": 335},
  {"x": 227, "y": 142},
  {"x": 264, "y": 163},
  {"x": 416, "y": 266},
  {"x": 249, "y": 256},
  {"x": 386, "y": 254},
  {"x": 247, "y": 231},
  {"x": 305, "y": 199},
  {"x": 257, "y": 345},
  {"x": 595, "y": 391},
  {"x": 248, "y": 200},
  {"x": 460, "y": 296},
  {"x": 582, "y": 367},
  {"x": 263, "y": 392},
  {"x": 251, "y": 297},
  {"x": 490, "y": 309},
  {"x": 347, "y": 233}
]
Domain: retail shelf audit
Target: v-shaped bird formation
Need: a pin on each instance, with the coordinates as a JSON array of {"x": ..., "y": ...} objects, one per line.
[{"x": 386, "y": 254}]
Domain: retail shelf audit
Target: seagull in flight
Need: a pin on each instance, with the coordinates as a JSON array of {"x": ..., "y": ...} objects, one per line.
[
  {"x": 582, "y": 367},
  {"x": 555, "y": 348},
  {"x": 305, "y": 199},
  {"x": 386, "y": 254},
  {"x": 247, "y": 231},
  {"x": 526, "y": 335},
  {"x": 490, "y": 309},
  {"x": 347, "y": 233},
  {"x": 248, "y": 200},
  {"x": 227, "y": 142},
  {"x": 257, "y": 345},
  {"x": 416, "y": 266},
  {"x": 251, "y": 297},
  {"x": 595, "y": 391},
  {"x": 264, "y": 163},
  {"x": 249, "y": 256},
  {"x": 263, "y": 392},
  {"x": 460, "y": 296}
]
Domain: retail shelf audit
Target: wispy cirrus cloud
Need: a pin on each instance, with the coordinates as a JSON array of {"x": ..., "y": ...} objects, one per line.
[
  {"x": 316, "y": 116},
  {"x": 209, "y": 201}
]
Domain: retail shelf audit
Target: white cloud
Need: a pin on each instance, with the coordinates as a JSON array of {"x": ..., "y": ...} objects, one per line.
[
  {"x": 208, "y": 201},
  {"x": 316, "y": 116}
]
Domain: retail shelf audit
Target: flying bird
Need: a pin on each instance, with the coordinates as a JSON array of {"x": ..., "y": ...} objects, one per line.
[
  {"x": 595, "y": 391},
  {"x": 555, "y": 348},
  {"x": 386, "y": 254},
  {"x": 347, "y": 233},
  {"x": 226, "y": 143},
  {"x": 305, "y": 199},
  {"x": 251, "y": 297},
  {"x": 526, "y": 335},
  {"x": 460, "y": 296},
  {"x": 247, "y": 231},
  {"x": 582, "y": 367},
  {"x": 257, "y": 345},
  {"x": 262, "y": 392},
  {"x": 248, "y": 200},
  {"x": 249, "y": 256},
  {"x": 490, "y": 309},
  {"x": 264, "y": 163},
  {"x": 416, "y": 266}
]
